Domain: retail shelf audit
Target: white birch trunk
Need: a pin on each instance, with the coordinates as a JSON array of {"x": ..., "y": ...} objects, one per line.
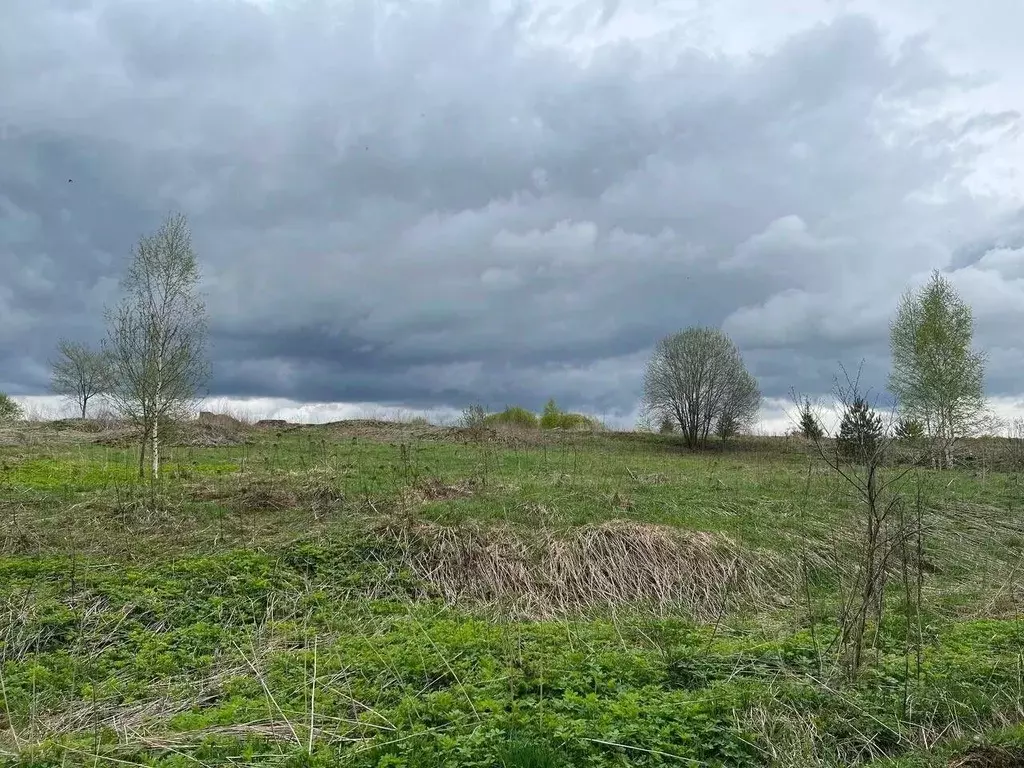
[{"x": 156, "y": 416}]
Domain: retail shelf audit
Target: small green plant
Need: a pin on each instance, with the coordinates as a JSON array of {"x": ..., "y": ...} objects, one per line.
[
  {"x": 908, "y": 429},
  {"x": 578, "y": 421},
  {"x": 727, "y": 426},
  {"x": 10, "y": 409},
  {"x": 526, "y": 754},
  {"x": 860, "y": 431},
  {"x": 808, "y": 424},
  {"x": 514, "y": 416},
  {"x": 551, "y": 417}
]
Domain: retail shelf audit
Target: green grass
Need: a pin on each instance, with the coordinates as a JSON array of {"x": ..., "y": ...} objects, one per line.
[{"x": 266, "y": 604}]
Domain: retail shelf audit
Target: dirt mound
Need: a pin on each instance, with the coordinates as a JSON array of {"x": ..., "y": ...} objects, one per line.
[
  {"x": 210, "y": 430},
  {"x": 79, "y": 425},
  {"x": 219, "y": 420},
  {"x": 551, "y": 573},
  {"x": 119, "y": 438},
  {"x": 276, "y": 496},
  {"x": 389, "y": 431},
  {"x": 273, "y": 424}
]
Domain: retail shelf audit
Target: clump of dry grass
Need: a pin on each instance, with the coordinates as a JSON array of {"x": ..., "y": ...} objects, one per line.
[
  {"x": 120, "y": 437},
  {"x": 435, "y": 489},
  {"x": 626, "y": 562},
  {"x": 265, "y": 497},
  {"x": 211, "y": 430},
  {"x": 618, "y": 563},
  {"x": 655, "y": 478},
  {"x": 535, "y": 513},
  {"x": 275, "y": 495},
  {"x": 989, "y": 757}
]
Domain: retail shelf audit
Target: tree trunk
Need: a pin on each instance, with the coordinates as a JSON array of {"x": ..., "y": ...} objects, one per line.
[
  {"x": 85, "y": 405},
  {"x": 156, "y": 416},
  {"x": 142, "y": 451},
  {"x": 156, "y": 450}
]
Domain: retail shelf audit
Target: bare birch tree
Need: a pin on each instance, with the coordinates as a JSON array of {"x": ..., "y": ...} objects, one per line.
[
  {"x": 79, "y": 374},
  {"x": 697, "y": 378},
  {"x": 156, "y": 336}
]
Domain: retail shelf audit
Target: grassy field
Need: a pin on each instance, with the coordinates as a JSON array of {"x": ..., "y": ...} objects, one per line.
[{"x": 371, "y": 594}]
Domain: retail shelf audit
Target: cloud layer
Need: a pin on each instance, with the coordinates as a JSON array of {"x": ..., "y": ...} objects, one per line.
[{"x": 447, "y": 202}]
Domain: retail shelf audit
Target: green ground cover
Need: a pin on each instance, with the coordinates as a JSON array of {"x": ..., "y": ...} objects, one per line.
[{"x": 403, "y": 595}]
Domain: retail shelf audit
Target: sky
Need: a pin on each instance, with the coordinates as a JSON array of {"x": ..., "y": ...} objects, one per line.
[{"x": 411, "y": 207}]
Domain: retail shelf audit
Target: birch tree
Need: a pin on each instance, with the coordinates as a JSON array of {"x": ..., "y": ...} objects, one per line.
[
  {"x": 156, "y": 337},
  {"x": 79, "y": 374},
  {"x": 697, "y": 379},
  {"x": 937, "y": 377}
]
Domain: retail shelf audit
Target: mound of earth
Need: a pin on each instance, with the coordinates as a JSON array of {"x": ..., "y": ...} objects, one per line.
[
  {"x": 211, "y": 430},
  {"x": 79, "y": 425},
  {"x": 219, "y": 420},
  {"x": 273, "y": 424}
]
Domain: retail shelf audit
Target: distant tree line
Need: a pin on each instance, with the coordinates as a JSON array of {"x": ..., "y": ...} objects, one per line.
[
  {"x": 552, "y": 417},
  {"x": 151, "y": 365}
]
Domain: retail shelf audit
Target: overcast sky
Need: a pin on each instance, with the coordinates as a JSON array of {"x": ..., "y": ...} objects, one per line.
[{"x": 436, "y": 202}]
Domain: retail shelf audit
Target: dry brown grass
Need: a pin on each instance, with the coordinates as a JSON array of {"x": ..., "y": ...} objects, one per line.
[
  {"x": 313, "y": 493},
  {"x": 990, "y": 757},
  {"x": 434, "y": 489},
  {"x": 211, "y": 430},
  {"x": 614, "y": 564},
  {"x": 63, "y": 432}
]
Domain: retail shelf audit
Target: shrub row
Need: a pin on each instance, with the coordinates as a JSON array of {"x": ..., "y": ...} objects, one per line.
[{"x": 517, "y": 416}]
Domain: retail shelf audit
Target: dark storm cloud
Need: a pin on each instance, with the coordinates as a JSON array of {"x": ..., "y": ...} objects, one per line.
[{"x": 433, "y": 206}]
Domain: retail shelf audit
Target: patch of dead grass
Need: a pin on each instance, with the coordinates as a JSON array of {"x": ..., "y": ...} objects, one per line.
[
  {"x": 435, "y": 489},
  {"x": 619, "y": 563},
  {"x": 990, "y": 757},
  {"x": 274, "y": 495}
]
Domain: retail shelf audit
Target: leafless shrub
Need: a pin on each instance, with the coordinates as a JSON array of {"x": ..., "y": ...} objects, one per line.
[
  {"x": 473, "y": 416},
  {"x": 888, "y": 536},
  {"x": 1015, "y": 444}
]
